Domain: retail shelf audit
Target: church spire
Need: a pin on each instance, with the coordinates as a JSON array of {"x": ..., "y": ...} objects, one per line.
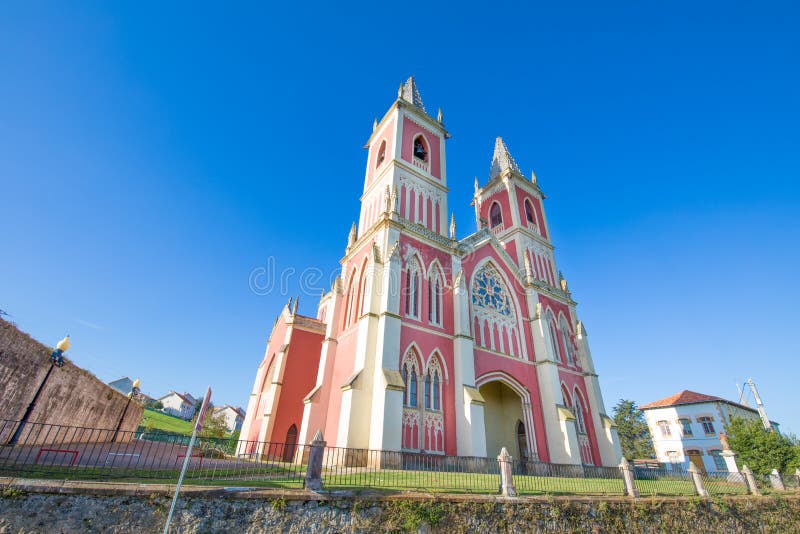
[
  {"x": 409, "y": 93},
  {"x": 501, "y": 160}
]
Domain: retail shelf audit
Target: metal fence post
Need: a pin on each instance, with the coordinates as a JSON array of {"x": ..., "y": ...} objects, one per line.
[
  {"x": 627, "y": 477},
  {"x": 697, "y": 478},
  {"x": 507, "y": 488},
  {"x": 776, "y": 481},
  {"x": 313, "y": 480},
  {"x": 751, "y": 481}
]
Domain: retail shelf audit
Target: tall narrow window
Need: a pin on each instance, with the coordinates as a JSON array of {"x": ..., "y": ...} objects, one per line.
[
  {"x": 435, "y": 298},
  {"x": 413, "y": 275},
  {"x": 412, "y": 391},
  {"x": 404, "y": 373},
  {"x": 567, "y": 339},
  {"x": 579, "y": 414},
  {"x": 529, "y": 212},
  {"x": 551, "y": 329},
  {"x": 495, "y": 215},
  {"x": 427, "y": 391},
  {"x": 381, "y": 154},
  {"x": 436, "y": 393}
]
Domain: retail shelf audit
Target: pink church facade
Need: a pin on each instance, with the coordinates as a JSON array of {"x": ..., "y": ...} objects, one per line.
[{"x": 431, "y": 343}]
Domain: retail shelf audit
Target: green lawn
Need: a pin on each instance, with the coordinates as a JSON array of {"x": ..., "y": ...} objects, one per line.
[{"x": 154, "y": 420}]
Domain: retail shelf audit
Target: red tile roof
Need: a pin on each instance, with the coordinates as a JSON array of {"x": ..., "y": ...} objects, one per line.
[{"x": 684, "y": 397}]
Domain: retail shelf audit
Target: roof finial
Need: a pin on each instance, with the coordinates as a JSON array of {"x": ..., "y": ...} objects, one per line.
[
  {"x": 351, "y": 239},
  {"x": 533, "y": 176},
  {"x": 400, "y": 91},
  {"x": 439, "y": 116},
  {"x": 374, "y": 124},
  {"x": 476, "y": 185},
  {"x": 452, "y": 226},
  {"x": 501, "y": 160},
  {"x": 296, "y": 303}
]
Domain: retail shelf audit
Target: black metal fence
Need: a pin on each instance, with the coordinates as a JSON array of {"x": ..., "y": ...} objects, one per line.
[{"x": 54, "y": 451}]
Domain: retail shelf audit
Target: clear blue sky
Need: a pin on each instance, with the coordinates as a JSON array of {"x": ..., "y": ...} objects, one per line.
[{"x": 153, "y": 154}]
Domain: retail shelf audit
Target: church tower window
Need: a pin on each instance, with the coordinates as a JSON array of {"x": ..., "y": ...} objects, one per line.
[
  {"x": 495, "y": 215},
  {"x": 381, "y": 154},
  {"x": 420, "y": 149}
]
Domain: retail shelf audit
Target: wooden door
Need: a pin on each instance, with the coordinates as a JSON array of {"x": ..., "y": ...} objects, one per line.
[{"x": 696, "y": 458}]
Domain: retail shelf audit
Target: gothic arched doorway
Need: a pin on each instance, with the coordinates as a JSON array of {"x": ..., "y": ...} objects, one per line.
[
  {"x": 291, "y": 444},
  {"x": 503, "y": 416}
]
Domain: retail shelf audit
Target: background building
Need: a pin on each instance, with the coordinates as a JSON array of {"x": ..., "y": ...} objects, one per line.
[
  {"x": 180, "y": 405},
  {"x": 234, "y": 416},
  {"x": 690, "y": 427},
  {"x": 430, "y": 343}
]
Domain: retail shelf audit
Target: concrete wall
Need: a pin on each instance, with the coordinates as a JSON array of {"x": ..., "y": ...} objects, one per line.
[{"x": 72, "y": 396}]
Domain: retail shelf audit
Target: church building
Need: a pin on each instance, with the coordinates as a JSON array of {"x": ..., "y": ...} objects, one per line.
[{"x": 430, "y": 343}]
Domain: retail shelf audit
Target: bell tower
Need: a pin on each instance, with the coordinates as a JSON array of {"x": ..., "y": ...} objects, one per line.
[
  {"x": 511, "y": 206},
  {"x": 406, "y": 171}
]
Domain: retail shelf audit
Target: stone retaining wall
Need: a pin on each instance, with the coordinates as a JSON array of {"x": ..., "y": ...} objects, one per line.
[
  {"x": 72, "y": 396},
  {"x": 41, "y": 506}
]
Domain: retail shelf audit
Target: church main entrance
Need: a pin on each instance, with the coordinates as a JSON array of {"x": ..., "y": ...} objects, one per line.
[{"x": 503, "y": 418}]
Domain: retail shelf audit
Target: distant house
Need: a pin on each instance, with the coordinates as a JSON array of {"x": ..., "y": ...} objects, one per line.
[
  {"x": 124, "y": 385},
  {"x": 234, "y": 416},
  {"x": 689, "y": 427},
  {"x": 180, "y": 405}
]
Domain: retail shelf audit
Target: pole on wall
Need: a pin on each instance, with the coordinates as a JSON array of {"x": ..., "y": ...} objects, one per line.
[{"x": 761, "y": 411}]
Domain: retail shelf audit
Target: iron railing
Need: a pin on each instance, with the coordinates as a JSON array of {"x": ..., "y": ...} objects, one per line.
[{"x": 65, "y": 452}]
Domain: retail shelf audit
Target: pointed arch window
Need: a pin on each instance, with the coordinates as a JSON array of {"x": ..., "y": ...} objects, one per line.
[
  {"x": 381, "y": 154},
  {"x": 551, "y": 329},
  {"x": 435, "y": 297},
  {"x": 566, "y": 337},
  {"x": 495, "y": 215},
  {"x": 529, "y": 212},
  {"x": 494, "y": 316},
  {"x": 410, "y": 372},
  {"x": 579, "y": 414},
  {"x": 420, "y": 148},
  {"x": 413, "y": 282},
  {"x": 433, "y": 384}
]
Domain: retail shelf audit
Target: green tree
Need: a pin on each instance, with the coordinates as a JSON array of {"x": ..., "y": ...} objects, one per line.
[
  {"x": 762, "y": 450},
  {"x": 634, "y": 436},
  {"x": 214, "y": 425}
]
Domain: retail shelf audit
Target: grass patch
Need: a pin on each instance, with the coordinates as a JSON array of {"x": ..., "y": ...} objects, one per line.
[{"x": 154, "y": 420}]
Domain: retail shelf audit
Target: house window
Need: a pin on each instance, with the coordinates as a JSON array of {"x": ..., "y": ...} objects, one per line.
[
  {"x": 495, "y": 215},
  {"x": 708, "y": 424},
  {"x": 719, "y": 461},
  {"x": 686, "y": 427},
  {"x": 665, "y": 431},
  {"x": 420, "y": 151}
]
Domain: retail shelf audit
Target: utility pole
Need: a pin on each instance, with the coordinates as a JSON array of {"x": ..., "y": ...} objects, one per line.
[{"x": 761, "y": 411}]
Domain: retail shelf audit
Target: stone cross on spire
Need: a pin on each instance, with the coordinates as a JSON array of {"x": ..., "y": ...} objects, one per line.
[
  {"x": 410, "y": 93},
  {"x": 501, "y": 160}
]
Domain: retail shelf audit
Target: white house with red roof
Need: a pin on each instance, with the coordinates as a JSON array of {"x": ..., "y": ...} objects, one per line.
[
  {"x": 177, "y": 404},
  {"x": 234, "y": 416},
  {"x": 690, "y": 427}
]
